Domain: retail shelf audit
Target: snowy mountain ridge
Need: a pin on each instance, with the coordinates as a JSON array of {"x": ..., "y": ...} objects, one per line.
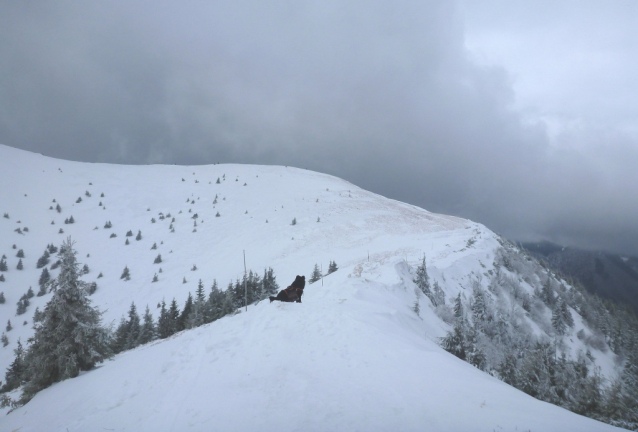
[{"x": 353, "y": 356}]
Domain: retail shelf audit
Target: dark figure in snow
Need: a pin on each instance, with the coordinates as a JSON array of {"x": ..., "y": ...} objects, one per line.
[{"x": 293, "y": 293}]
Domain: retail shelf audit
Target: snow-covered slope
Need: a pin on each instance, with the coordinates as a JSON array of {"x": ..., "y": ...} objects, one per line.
[{"x": 352, "y": 356}]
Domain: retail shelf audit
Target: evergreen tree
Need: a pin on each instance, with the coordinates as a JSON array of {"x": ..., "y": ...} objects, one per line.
[
  {"x": 20, "y": 266},
  {"x": 422, "y": 280},
  {"x": 294, "y": 221},
  {"x": 197, "y": 316},
  {"x": 4, "y": 339},
  {"x": 173, "y": 318},
  {"x": 20, "y": 253},
  {"x": 133, "y": 328},
  {"x": 163, "y": 323},
  {"x": 316, "y": 274},
  {"x": 458, "y": 308},
  {"x": 45, "y": 277},
  {"x": 155, "y": 278},
  {"x": 213, "y": 304},
  {"x": 129, "y": 233},
  {"x": 120, "y": 338},
  {"x": 184, "y": 318},
  {"x": 2, "y": 299},
  {"x": 566, "y": 314},
  {"x": 139, "y": 236},
  {"x": 270, "y": 287},
  {"x": 9, "y": 327},
  {"x": 158, "y": 259},
  {"x": 70, "y": 337},
  {"x": 126, "y": 274},
  {"x": 3, "y": 265},
  {"x": 547, "y": 295},
  {"x": 148, "y": 331},
  {"x": 43, "y": 260},
  {"x": 438, "y": 296},
  {"x": 416, "y": 307},
  {"x": 1, "y": 278},
  {"x": 558, "y": 321},
  {"x": 85, "y": 269},
  {"x": 332, "y": 267},
  {"x": 30, "y": 293},
  {"x": 14, "y": 377},
  {"x": 480, "y": 311}
]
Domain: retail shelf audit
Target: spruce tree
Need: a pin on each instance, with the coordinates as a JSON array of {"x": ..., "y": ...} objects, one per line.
[
  {"x": 120, "y": 338},
  {"x": 3, "y": 265},
  {"x": 422, "y": 280},
  {"x": 1, "y": 278},
  {"x": 269, "y": 284},
  {"x": 45, "y": 277},
  {"x": 126, "y": 273},
  {"x": 70, "y": 337},
  {"x": 458, "y": 308},
  {"x": 147, "y": 332},
  {"x": 138, "y": 237},
  {"x": 9, "y": 327},
  {"x": 214, "y": 303},
  {"x": 43, "y": 260},
  {"x": 158, "y": 259},
  {"x": 173, "y": 317},
  {"x": 4, "y": 339},
  {"x": 133, "y": 324},
  {"x": 184, "y": 318},
  {"x": 20, "y": 266},
  {"x": 558, "y": 321},
  {"x": 30, "y": 293},
  {"x": 20, "y": 254},
  {"x": 14, "y": 377},
  {"x": 163, "y": 323},
  {"x": 438, "y": 296},
  {"x": 332, "y": 267},
  {"x": 316, "y": 274},
  {"x": 2, "y": 299}
]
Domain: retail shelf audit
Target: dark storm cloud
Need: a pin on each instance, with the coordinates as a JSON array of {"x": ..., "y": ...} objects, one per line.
[{"x": 383, "y": 94}]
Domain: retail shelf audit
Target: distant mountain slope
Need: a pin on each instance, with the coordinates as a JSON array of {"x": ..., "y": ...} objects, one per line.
[
  {"x": 608, "y": 275},
  {"x": 355, "y": 355}
]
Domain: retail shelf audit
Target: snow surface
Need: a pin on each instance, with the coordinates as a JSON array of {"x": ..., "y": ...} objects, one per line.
[{"x": 352, "y": 356}]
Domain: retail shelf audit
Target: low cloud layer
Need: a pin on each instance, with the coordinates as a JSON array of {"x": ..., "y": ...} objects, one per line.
[{"x": 390, "y": 97}]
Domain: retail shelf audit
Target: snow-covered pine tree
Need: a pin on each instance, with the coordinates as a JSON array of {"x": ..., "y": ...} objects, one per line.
[
  {"x": 163, "y": 323},
  {"x": 20, "y": 254},
  {"x": 43, "y": 260},
  {"x": 416, "y": 307},
  {"x": 4, "y": 339},
  {"x": 3, "y": 265},
  {"x": 458, "y": 308},
  {"x": 126, "y": 273},
  {"x": 70, "y": 338},
  {"x": 199, "y": 305},
  {"x": 214, "y": 303},
  {"x": 332, "y": 267},
  {"x": 138, "y": 237},
  {"x": 422, "y": 280},
  {"x": 14, "y": 377},
  {"x": 158, "y": 259},
  {"x": 2, "y": 299},
  {"x": 316, "y": 274},
  {"x": 1, "y": 278},
  {"x": 133, "y": 328},
  {"x": 45, "y": 277},
  {"x": 9, "y": 326},
  {"x": 294, "y": 221},
  {"x": 269, "y": 284},
  {"x": 438, "y": 296},
  {"x": 547, "y": 294},
  {"x": 184, "y": 318},
  {"x": 129, "y": 233},
  {"x": 173, "y": 317},
  {"x": 20, "y": 266},
  {"x": 119, "y": 339},
  {"x": 155, "y": 278},
  {"x": 558, "y": 321},
  {"x": 148, "y": 331}
]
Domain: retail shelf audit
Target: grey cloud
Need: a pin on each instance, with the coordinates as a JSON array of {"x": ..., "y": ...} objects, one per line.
[{"x": 384, "y": 95}]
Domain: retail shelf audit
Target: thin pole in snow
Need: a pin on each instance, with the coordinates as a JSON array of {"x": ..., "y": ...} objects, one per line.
[{"x": 245, "y": 286}]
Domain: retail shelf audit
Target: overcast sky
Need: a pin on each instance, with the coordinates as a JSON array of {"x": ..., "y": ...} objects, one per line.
[{"x": 519, "y": 115}]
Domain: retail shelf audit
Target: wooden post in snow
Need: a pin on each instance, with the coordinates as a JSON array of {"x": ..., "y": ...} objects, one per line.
[{"x": 245, "y": 283}]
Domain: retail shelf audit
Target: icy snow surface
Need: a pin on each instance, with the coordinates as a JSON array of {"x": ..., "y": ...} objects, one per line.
[{"x": 353, "y": 356}]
